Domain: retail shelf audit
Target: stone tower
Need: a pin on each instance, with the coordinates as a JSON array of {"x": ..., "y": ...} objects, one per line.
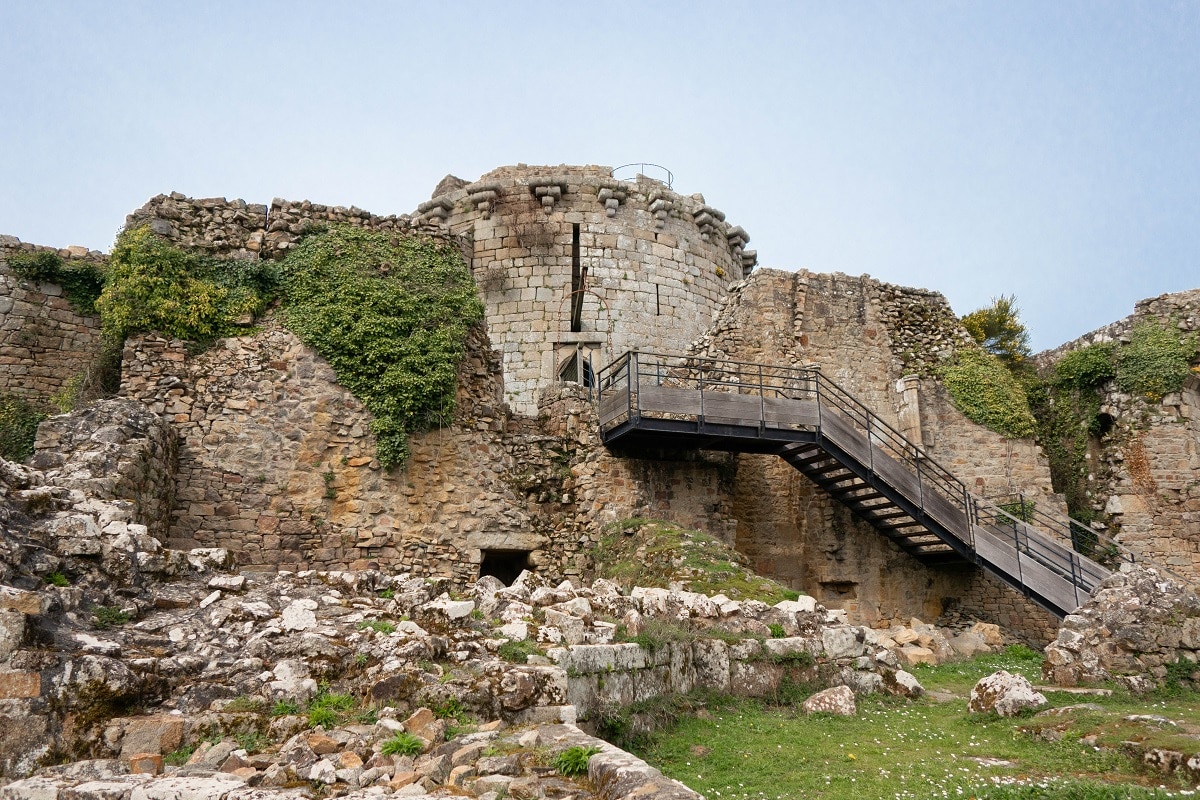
[{"x": 576, "y": 267}]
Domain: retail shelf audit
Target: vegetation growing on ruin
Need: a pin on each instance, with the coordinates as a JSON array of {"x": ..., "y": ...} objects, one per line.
[
  {"x": 82, "y": 281},
  {"x": 1067, "y": 400},
  {"x": 736, "y": 748},
  {"x": 1066, "y": 404},
  {"x": 154, "y": 286},
  {"x": 18, "y": 426},
  {"x": 653, "y": 553},
  {"x": 390, "y": 313},
  {"x": 986, "y": 392},
  {"x": 1155, "y": 361},
  {"x": 999, "y": 330}
]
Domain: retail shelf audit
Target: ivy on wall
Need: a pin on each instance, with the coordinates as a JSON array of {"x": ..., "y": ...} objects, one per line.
[
  {"x": 986, "y": 392},
  {"x": 1155, "y": 361},
  {"x": 154, "y": 286},
  {"x": 390, "y": 313},
  {"x": 81, "y": 281},
  {"x": 18, "y": 427}
]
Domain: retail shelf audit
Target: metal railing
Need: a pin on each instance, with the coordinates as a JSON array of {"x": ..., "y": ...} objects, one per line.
[
  {"x": 641, "y": 170},
  {"x": 623, "y": 383}
]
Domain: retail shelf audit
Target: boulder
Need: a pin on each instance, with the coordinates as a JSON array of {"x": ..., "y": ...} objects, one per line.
[
  {"x": 837, "y": 700},
  {"x": 1005, "y": 694}
]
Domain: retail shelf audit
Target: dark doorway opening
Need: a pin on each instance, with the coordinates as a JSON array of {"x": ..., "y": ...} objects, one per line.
[{"x": 504, "y": 565}]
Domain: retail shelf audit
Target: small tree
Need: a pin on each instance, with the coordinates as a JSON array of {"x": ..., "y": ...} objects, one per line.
[{"x": 998, "y": 328}]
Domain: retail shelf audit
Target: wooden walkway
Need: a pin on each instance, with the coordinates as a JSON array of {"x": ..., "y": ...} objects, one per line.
[{"x": 650, "y": 403}]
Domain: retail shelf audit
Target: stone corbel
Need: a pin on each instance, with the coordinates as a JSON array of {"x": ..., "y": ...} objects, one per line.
[
  {"x": 660, "y": 207},
  {"x": 749, "y": 262},
  {"x": 483, "y": 197},
  {"x": 709, "y": 220},
  {"x": 548, "y": 191},
  {"x": 611, "y": 196},
  {"x": 435, "y": 210},
  {"x": 738, "y": 239}
]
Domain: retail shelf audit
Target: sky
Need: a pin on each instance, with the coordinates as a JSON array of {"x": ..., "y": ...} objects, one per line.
[{"x": 1047, "y": 150}]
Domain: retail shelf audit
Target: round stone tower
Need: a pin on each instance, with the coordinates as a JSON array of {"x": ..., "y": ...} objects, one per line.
[{"x": 575, "y": 267}]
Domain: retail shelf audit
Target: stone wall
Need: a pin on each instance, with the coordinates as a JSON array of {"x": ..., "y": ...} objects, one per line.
[
  {"x": 276, "y": 463},
  {"x": 113, "y": 450},
  {"x": 1143, "y": 470},
  {"x": 657, "y": 264},
  {"x": 44, "y": 343},
  {"x": 862, "y": 334},
  {"x": 649, "y": 265},
  {"x": 214, "y": 226}
]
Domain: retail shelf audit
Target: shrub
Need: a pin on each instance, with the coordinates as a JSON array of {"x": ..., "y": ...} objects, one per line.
[
  {"x": 403, "y": 744},
  {"x": 18, "y": 427},
  {"x": 574, "y": 760},
  {"x": 776, "y": 629},
  {"x": 987, "y": 393},
  {"x": 57, "y": 579},
  {"x": 999, "y": 330},
  {"x": 518, "y": 652},
  {"x": 154, "y": 286},
  {"x": 390, "y": 314},
  {"x": 1155, "y": 361},
  {"x": 377, "y": 625},
  {"x": 105, "y": 617}
]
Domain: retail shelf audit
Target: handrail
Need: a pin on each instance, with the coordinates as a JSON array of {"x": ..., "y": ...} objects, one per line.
[
  {"x": 790, "y": 381},
  {"x": 641, "y": 167},
  {"x": 637, "y": 370},
  {"x": 1084, "y": 539}
]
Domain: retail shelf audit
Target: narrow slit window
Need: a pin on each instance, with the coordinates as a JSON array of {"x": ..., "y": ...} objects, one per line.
[{"x": 577, "y": 279}]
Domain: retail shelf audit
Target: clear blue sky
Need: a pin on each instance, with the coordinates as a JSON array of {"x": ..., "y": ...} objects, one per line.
[{"x": 1045, "y": 149}]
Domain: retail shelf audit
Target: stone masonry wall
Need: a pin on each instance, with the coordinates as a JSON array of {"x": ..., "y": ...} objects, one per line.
[
  {"x": 276, "y": 463},
  {"x": 113, "y": 450},
  {"x": 850, "y": 328},
  {"x": 1143, "y": 472},
  {"x": 657, "y": 264},
  {"x": 44, "y": 343}
]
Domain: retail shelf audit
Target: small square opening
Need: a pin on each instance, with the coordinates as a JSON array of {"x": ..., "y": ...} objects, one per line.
[{"x": 504, "y": 565}]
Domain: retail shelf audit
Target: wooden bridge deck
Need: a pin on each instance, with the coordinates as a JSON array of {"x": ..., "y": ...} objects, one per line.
[{"x": 847, "y": 451}]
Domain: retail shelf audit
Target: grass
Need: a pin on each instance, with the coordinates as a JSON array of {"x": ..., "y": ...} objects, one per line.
[
  {"x": 105, "y": 617},
  {"x": 901, "y": 749},
  {"x": 518, "y": 650},
  {"x": 402, "y": 744},
  {"x": 574, "y": 760},
  {"x": 329, "y": 709},
  {"x": 653, "y": 553}
]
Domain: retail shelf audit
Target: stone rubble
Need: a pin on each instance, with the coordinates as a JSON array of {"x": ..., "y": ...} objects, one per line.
[
  {"x": 1138, "y": 625},
  {"x": 1005, "y": 694},
  {"x": 148, "y": 652}
]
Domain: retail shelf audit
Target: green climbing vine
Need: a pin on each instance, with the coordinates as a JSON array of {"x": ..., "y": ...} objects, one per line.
[
  {"x": 81, "y": 281},
  {"x": 390, "y": 313},
  {"x": 18, "y": 426},
  {"x": 986, "y": 392},
  {"x": 154, "y": 286},
  {"x": 1156, "y": 360}
]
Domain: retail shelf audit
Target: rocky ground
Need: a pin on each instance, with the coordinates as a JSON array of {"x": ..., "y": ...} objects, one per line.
[{"x": 131, "y": 670}]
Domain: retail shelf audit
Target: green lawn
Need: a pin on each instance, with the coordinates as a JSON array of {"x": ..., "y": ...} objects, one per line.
[{"x": 923, "y": 749}]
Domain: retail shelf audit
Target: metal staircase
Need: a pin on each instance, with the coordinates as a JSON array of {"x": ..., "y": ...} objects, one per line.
[{"x": 649, "y": 402}]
